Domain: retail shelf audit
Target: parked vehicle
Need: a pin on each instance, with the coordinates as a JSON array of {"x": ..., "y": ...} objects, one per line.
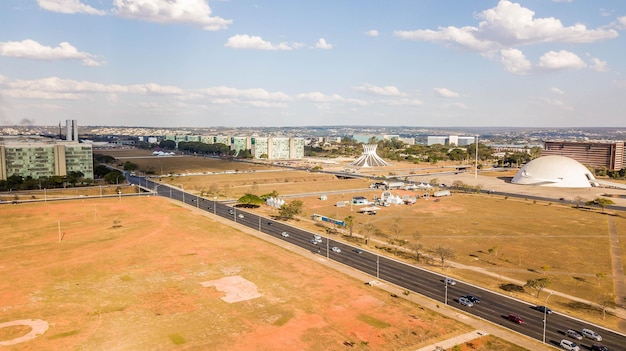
[
  {"x": 588, "y": 333},
  {"x": 465, "y": 301},
  {"x": 516, "y": 318},
  {"x": 573, "y": 334},
  {"x": 569, "y": 345}
]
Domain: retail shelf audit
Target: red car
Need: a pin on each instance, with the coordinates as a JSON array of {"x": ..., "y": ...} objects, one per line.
[{"x": 516, "y": 318}]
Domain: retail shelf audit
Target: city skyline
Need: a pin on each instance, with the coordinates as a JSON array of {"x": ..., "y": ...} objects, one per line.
[{"x": 237, "y": 63}]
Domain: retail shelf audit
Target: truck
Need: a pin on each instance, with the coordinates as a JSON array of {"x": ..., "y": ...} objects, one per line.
[{"x": 441, "y": 193}]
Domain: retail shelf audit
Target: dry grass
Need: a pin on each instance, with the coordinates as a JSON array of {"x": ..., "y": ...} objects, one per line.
[{"x": 127, "y": 274}]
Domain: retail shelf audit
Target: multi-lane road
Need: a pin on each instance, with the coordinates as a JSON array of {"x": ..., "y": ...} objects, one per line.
[{"x": 494, "y": 307}]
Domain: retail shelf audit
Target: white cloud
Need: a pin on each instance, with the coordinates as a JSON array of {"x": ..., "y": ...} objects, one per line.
[
  {"x": 553, "y": 60},
  {"x": 598, "y": 65},
  {"x": 401, "y": 102},
  {"x": 381, "y": 91},
  {"x": 244, "y": 41},
  {"x": 557, "y": 91},
  {"x": 31, "y": 49},
  {"x": 372, "y": 33},
  {"x": 192, "y": 12},
  {"x": 445, "y": 92},
  {"x": 562, "y": 0},
  {"x": 69, "y": 7},
  {"x": 557, "y": 103},
  {"x": 508, "y": 25},
  {"x": 322, "y": 44},
  {"x": 322, "y": 100},
  {"x": 621, "y": 22},
  {"x": 515, "y": 62}
]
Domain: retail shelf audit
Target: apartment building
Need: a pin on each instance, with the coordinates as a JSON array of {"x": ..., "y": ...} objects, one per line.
[{"x": 45, "y": 159}]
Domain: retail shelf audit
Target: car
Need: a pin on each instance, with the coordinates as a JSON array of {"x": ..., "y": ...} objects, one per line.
[
  {"x": 359, "y": 251},
  {"x": 472, "y": 298},
  {"x": 569, "y": 345},
  {"x": 573, "y": 334},
  {"x": 270, "y": 223},
  {"x": 284, "y": 234},
  {"x": 231, "y": 211},
  {"x": 588, "y": 333},
  {"x": 317, "y": 238},
  {"x": 516, "y": 318},
  {"x": 313, "y": 241},
  {"x": 597, "y": 347},
  {"x": 450, "y": 281},
  {"x": 240, "y": 215},
  {"x": 543, "y": 309},
  {"x": 465, "y": 301},
  {"x": 336, "y": 249}
]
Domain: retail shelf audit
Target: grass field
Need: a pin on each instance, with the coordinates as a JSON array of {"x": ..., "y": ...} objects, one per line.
[{"x": 128, "y": 275}]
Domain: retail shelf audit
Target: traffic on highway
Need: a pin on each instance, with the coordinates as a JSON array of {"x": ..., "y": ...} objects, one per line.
[{"x": 537, "y": 322}]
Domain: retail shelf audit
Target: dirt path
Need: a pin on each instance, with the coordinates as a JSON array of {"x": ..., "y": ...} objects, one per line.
[
  {"x": 619, "y": 280},
  {"x": 38, "y": 328}
]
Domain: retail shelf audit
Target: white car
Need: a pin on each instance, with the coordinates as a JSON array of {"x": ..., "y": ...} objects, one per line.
[
  {"x": 588, "y": 333},
  {"x": 240, "y": 215},
  {"x": 336, "y": 249},
  {"x": 573, "y": 334},
  {"x": 450, "y": 281},
  {"x": 569, "y": 345},
  {"x": 465, "y": 301},
  {"x": 285, "y": 234}
]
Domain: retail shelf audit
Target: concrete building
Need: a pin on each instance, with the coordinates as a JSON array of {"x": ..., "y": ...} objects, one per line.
[
  {"x": 71, "y": 130},
  {"x": 45, "y": 159},
  {"x": 450, "y": 140},
  {"x": 277, "y": 148},
  {"x": 555, "y": 171},
  {"x": 594, "y": 154}
]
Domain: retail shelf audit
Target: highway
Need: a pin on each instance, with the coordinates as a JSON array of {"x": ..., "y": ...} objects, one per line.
[{"x": 493, "y": 306}]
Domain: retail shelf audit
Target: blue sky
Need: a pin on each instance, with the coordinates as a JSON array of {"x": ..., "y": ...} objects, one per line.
[{"x": 273, "y": 63}]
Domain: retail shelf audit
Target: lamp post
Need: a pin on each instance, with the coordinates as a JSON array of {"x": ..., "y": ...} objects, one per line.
[
  {"x": 476, "y": 160},
  {"x": 545, "y": 317},
  {"x": 445, "y": 282}
]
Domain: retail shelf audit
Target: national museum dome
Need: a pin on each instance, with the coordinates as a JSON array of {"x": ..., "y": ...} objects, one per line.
[{"x": 555, "y": 171}]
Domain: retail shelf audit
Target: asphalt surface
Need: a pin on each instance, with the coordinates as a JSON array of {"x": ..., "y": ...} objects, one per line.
[{"x": 493, "y": 307}]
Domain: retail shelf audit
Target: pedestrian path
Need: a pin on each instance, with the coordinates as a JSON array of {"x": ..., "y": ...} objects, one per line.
[{"x": 457, "y": 340}]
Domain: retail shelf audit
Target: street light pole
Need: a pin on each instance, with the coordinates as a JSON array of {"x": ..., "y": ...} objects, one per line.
[
  {"x": 476, "y": 161},
  {"x": 545, "y": 317},
  {"x": 445, "y": 282}
]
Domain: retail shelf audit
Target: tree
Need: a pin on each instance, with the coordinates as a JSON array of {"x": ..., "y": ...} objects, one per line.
[
  {"x": 444, "y": 253},
  {"x": 600, "y": 201},
  {"x": 167, "y": 144},
  {"x": 289, "y": 210},
  {"x": 416, "y": 245},
  {"x": 349, "y": 223},
  {"x": 250, "y": 200},
  {"x": 538, "y": 284},
  {"x": 114, "y": 177},
  {"x": 395, "y": 228},
  {"x": 130, "y": 166}
]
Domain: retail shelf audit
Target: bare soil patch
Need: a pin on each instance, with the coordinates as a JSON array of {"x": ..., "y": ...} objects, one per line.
[{"x": 127, "y": 276}]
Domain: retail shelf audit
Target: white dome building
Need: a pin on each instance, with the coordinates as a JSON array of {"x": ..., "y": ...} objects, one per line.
[{"x": 555, "y": 171}]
